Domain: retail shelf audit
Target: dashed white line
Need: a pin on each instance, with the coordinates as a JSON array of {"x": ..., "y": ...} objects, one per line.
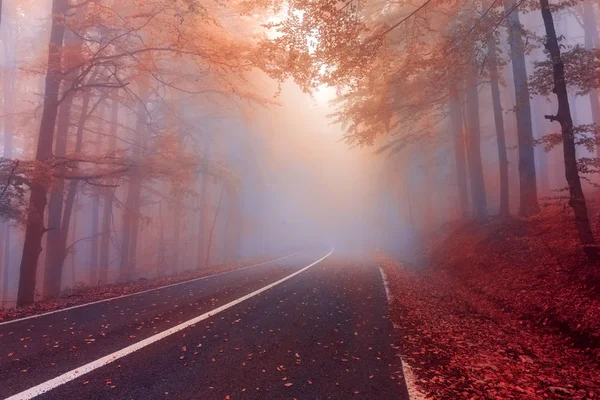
[
  {"x": 87, "y": 368},
  {"x": 142, "y": 292}
]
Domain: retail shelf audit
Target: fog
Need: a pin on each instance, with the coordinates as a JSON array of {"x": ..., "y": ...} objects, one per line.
[{"x": 182, "y": 140}]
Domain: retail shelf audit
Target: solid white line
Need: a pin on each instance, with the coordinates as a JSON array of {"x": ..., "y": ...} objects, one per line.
[
  {"x": 142, "y": 292},
  {"x": 409, "y": 377},
  {"x": 76, "y": 373}
]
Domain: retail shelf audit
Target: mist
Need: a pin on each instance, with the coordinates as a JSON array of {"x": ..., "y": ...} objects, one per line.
[
  {"x": 226, "y": 177},
  {"x": 299, "y": 199},
  {"x": 171, "y": 160}
]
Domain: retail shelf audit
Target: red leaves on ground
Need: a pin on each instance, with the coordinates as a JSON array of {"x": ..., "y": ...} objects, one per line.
[
  {"x": 499, "y": 314},
  {"x": 533, "y": 269}
]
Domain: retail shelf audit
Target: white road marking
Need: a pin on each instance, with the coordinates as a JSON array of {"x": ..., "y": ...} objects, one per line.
[
  {"x": 409, "y": 378},
  {"x": 84, "y": 369},
  {"x": 142, "y": 292},
  {"x": 386, "y": 286}
]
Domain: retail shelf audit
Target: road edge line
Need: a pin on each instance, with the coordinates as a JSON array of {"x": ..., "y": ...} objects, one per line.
[
  {"x": 101, "y": 362},
  {"x": 409, "y": 377},
  {"x": 142, "y": 292}
]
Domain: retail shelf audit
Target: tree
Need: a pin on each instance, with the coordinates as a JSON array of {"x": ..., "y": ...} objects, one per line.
[
  {"x": 108, "y": 199},
  {"x": 35, "y": 229},
  {"x": 9, "y": 40},
  {"x": 109, "y": 35},
  {"x": 456, "y": 129},
  {"x": 131, "y": 217},
  {"x": 203, "y": 207},
  {"x": 478, "y": 195},
  {"x": 504, "y": 209},
  {"x": 59, "y": 219},
  {"x": 528, "y": 204},
  {"x": 563, "y": 117}
]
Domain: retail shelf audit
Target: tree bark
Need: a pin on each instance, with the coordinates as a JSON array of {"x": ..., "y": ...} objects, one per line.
[
  {"x": 161, "y": 245},
  {"x": 563, "y": 116},
  {"x": 94, "y": 242},
  {"x": 35, "y": 229},
  {"x": 56, "y": 200},
  {"x": 131, "y": 215},
  {"x": 135, "y": 205},
  {"x": 212, "y": 228},
  {"x": 9, "y": 86},
  {"x": 203, "y": 205},
  {"x": 238, "y": 228},
  {"x": 227, "y": 228},
  {"x": 55, "y": 204},
  {"x": 108, "y": 201},
  {"x": 474, "y": 162},
  {"x": 177, "y": 236},
  {"x": 6, "y": 261},
  {"x": 504, "y": 209},
  {"x": 54, "y": 270},
  {"x": 459, "y": 153},
  {"x": 73, "y": 230},
  {"x": 95, "y": 214},
  {"x": 528, "y": 197}
]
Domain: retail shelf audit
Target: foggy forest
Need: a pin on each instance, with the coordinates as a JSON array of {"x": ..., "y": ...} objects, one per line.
[{"x": 300, "y": 199}]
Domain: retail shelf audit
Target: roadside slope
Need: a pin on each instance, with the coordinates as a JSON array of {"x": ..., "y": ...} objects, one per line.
[
  {"x": 507, "y": 308},
  {"x": 461, "y": 346}
]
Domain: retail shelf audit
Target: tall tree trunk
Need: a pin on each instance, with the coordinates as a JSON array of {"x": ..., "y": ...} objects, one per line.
[
  {"x": 203, "y": 204},
  {"x": 131, "y": 215},
  {"x": 475, "y": 165},
  {"x": 589, "y": 28},
  {"x": 108, "y": 201},
  {"x": 178, "y": 205},
  {"x": 528, "y": 197},
  {"x": 212, "y": 228},
  {"x": 73, "y": 230},
  {"x": 227, "y": 229},
  {"x": 238, "y": 227},
  {"x": 55, "y": 204},
  {"x": 94, "y": 242},
  {"x": 563, "y": 116},
  {"x": 177, "y": 237},
  {"x": 95, "y": 214},
  {"x": 35, "y": 229},
  {"x": 459, "y": 153},
  {"x": 135, "y": 205},
  {"x": 6, "y": 260},
  {"x": 161, "y": 245},
  {"x": 9, "y": 86},
  {"x": 61, "y": 251},
  {"x": 426, "y": 205},
  {"x": 57, "y": 253},
  {"x": 239, "y": 234},
  {"x": 504, "y": 209}
]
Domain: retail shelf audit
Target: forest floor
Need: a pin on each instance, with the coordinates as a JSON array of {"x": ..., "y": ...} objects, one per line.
[
  {"x": 508, "y": 309},
  {"x": 103, "y": 292}
]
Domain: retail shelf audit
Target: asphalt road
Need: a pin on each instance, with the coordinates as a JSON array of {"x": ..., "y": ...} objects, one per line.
[{"x": 322, "y": 334}]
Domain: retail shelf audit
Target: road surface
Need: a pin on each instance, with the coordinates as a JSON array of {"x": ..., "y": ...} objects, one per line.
[{"x": 275, "y": 331}]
